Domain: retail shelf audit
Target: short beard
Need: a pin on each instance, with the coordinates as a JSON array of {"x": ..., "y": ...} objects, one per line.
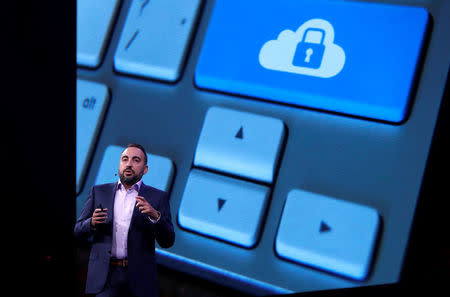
[{"x": 129, "y": 181}]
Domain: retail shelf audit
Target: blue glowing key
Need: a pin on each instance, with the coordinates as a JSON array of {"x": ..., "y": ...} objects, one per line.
[
  {"x": 358, "y": 59},
  {"x": 330, "y": 234}
]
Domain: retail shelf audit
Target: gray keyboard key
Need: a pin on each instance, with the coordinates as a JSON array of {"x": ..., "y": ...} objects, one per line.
[
  {"x": 222, "y": 207},
  {"x": 94, "y": 25},
  {"x": 240, "y": 143},
  {"x": 92, "y": 101}
]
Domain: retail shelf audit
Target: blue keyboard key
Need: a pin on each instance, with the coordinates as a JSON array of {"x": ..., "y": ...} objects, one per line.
[
  {"x": 223, "y": 207},
  {"x": 240, "y": 143},
  {"x": 155, "y": 38},
  {"x": 330, "y": 234},
  {"x": 92, "y": 100},
  {"x": 159, "y": 175},
  {"x": 353, "y": 58},
  {"x": 94, "y": 24}
]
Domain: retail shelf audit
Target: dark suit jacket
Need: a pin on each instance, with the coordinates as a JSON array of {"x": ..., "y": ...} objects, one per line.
[{"x": 141, "y": 239}]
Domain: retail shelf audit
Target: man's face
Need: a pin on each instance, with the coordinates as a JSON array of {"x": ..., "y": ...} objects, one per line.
[{"x": 132, "y": 166}]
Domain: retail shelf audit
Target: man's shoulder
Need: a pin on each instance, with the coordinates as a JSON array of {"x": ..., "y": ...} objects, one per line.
[{"x": 104, "y": 186}]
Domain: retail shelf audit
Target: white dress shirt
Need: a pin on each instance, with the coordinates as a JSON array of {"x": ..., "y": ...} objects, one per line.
[{"x": 124, "y": 203}]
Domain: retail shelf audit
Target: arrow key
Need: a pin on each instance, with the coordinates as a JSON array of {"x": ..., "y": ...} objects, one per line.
[
  {"x": 333, "y": 235},
  {"x": 223, "y": 207},
  {"x": 240, "y": 143}
]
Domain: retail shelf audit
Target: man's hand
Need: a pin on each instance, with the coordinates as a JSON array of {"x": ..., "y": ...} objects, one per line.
[
  {"x": 99, "y": 217},
  {"x": 145, "y": 208}
]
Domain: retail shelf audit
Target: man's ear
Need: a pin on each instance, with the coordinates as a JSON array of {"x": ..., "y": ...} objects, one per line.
[{"x": 146, "y": 169}]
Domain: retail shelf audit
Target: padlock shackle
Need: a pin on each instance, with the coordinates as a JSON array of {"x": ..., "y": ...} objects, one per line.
[{"x": 314, "y": 29}]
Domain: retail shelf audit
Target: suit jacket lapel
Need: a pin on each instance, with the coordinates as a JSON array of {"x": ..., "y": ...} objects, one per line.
[
  {"x": 143, "y": 191},
  {"x": 112, "y": 199}
]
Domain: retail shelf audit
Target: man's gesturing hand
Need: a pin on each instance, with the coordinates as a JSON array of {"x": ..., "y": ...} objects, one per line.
[
  {"x": 99, "y": 216},
  {"x": 145, "y": 208}
]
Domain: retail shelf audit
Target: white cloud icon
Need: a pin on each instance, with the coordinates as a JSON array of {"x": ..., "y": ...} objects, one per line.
[{"x": 278, "y": 54}]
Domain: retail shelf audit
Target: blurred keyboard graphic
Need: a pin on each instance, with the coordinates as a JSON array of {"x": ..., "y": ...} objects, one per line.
[{"x": 291, "y": 135}]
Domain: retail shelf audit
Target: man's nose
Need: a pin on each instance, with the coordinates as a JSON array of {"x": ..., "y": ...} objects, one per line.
[{"x": 129, "y": 164}]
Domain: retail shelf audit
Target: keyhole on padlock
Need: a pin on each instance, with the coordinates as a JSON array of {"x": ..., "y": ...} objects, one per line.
[{"x": 309, "y": 52}]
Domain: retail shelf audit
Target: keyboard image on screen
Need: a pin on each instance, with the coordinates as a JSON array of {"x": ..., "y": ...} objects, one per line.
[{"x": 291, "y": 135}]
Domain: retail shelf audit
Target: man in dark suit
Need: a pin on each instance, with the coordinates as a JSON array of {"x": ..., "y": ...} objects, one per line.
[{"x": 124, "y": 219}]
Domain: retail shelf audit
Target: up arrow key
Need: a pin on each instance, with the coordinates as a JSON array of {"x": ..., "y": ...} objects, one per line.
[{"x": 240, "y": 133}]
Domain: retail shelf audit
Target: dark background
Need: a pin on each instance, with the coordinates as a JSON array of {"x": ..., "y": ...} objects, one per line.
[{"x": 38, "y": 129}]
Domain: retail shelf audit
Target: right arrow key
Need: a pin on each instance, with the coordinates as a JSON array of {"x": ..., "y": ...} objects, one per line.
[{"x": 330, "y": 234}]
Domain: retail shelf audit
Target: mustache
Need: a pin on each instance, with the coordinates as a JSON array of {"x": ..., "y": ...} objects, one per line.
[{"x": 129, "y": 168}]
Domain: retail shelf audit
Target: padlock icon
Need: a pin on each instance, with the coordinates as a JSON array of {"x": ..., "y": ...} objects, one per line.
[{"x": 309, "y": 54}]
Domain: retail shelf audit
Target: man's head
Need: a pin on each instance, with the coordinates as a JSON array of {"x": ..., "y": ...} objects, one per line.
[{"x": 133, "y": 164}]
